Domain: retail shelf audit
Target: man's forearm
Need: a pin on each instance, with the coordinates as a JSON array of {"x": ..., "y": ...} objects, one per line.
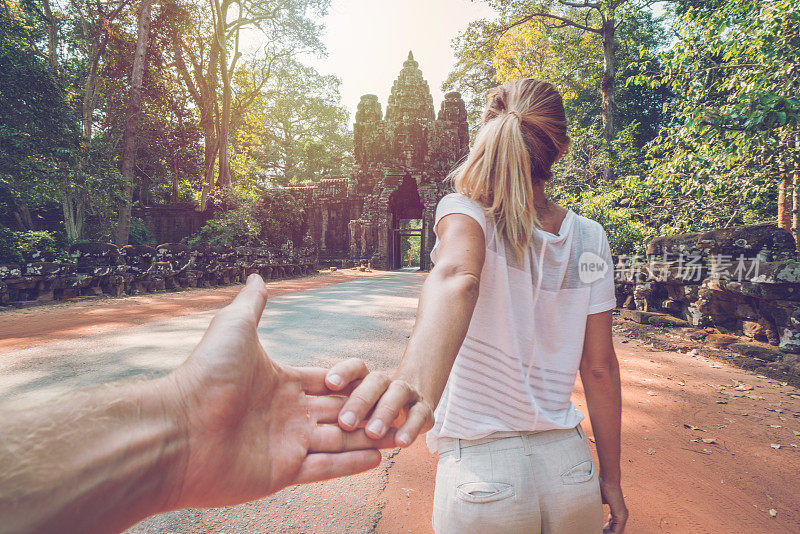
[
  {"x": 446, "y": 305},
  {"x": 94, "y": 461},
  {"x": 604, "y": 400}
]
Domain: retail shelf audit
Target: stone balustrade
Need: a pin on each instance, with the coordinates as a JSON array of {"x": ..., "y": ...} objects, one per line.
[
  {"x": 104, "y": 269},
  {"x": 742, "y": 281}
]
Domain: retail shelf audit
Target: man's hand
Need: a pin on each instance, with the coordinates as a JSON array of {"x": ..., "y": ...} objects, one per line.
[
  {"x": 254, "y": 426},
  {"x": 227, "y": 426}
]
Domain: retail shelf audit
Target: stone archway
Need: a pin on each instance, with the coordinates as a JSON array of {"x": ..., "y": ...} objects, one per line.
[{"x": 405, "y": 204}]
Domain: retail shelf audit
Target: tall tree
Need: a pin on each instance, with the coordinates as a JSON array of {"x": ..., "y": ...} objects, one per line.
[
  {"x": 130, "y": 137},
  {"x": 301, "y": 127},
  {"x": 93, "y": 26},
  {"x": 38, "y": 131},
  {"x": 599, "y": 17},
  {"x": 288, "y": 27}
]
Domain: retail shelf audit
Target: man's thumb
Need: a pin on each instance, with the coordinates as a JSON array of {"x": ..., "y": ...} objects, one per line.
[{"x": 253, "y": 297}]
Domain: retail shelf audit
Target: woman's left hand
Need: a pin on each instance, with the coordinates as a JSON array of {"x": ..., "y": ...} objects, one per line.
[{"x": 380, "y": 402}]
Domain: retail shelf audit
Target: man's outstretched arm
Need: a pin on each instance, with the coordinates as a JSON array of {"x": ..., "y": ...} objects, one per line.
[
  {"x": 97, "y": 460},
  {"x": 228, "y": 426}
]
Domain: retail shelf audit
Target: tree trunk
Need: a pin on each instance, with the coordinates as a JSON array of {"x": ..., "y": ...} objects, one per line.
[
  {"x": 175, "y": 167},
  {"x": 225, "y": 178},
  {"x": 223, "y": 129},
  {"x": 130, "y": 137},
  {"x": 795, "y": 193},
  {"x": 73, "y": 204},
  {"x": 208, "y": 123},
  {"x": 607, "y": 83},
  {"x": 23, "y": 216},
  {"x": 784, "y": 205},
  {"x": 209, "y": 159},
  {"x": 52, "y": 37}
]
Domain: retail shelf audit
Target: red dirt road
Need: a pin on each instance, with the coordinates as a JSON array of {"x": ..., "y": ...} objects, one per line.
[{"x": 671, "y": 484}]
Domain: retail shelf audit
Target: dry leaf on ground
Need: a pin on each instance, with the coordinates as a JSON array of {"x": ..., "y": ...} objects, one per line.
[
  {"x": 692, "y": 427},
  {"x": 704, "y": 440}
]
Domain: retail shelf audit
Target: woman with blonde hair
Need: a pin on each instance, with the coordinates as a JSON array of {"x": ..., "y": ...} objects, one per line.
[{"x": 518, "y": 302}]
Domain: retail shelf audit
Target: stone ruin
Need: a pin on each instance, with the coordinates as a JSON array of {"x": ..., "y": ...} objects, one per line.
[
  {"x": 402, "y": 161},
  {"x": 742, "y": 281},
  {"x": 104, "y": 269}
]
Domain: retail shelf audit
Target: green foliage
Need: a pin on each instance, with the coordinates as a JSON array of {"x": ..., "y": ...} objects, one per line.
[
  {"x": 65, "y": 80},
  {"x": 283, "y": 216},
  {"x": 497, "y": 50},
  {"x": 141, "y": 234},
  {"x": 15, "y": 246},
  {"x": 410, "y": 250},
  {"x": 296, "y": 131},
  {"x": 9, "y": 246},
  {"x": 268, "y": 218},
  {"x": 215, "y": 233},
  {"x": 53, "y": 244},
  {"x": 581, "y": 169},
  {"x": 38, "y": 131},
  {"x": 734, "y": 73},
  {"x": 626, "y": 232}
]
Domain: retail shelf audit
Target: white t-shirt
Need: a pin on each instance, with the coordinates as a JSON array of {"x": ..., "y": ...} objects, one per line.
[{"x": 517, "y": 366}]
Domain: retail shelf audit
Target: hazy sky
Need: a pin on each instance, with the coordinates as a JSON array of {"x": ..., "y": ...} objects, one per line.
[{"x": 368, "y": 41}]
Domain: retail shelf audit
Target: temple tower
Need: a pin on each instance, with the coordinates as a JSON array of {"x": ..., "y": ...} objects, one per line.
[
  {"x": 402, "y": 160},
  {"x": 411, "y": 96}
]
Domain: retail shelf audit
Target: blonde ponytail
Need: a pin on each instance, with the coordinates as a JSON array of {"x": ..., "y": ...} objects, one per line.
[{"x": 523, "y": 132}]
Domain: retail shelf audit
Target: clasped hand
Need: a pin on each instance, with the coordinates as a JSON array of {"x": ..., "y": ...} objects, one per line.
[
  {"x": 254, "y": 426},
  {"x": 387, "y": 407}
]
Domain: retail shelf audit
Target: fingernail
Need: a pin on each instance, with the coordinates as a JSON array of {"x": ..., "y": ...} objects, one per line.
[
  {"x": 376, "y": 427},
  {"x": 349, "y": 419},
  {"x": 403, "y": 439},
  {"x": 336, "y": 380}
]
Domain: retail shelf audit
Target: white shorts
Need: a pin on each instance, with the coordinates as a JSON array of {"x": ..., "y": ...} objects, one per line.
[{"x": 526, "y": 482}]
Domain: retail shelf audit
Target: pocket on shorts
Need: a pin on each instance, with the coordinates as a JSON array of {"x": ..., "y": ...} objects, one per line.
[
  {"x": 483, "y": 492},
  {"x": 582, "y": 472}
]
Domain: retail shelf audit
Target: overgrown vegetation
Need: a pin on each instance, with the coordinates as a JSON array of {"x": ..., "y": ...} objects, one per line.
[
  {"x": 706, "y": 118},
  {"x": 31, "y": 245},
  {"x": 210, "y": 116},
  {"x": 260, "y": 218}
]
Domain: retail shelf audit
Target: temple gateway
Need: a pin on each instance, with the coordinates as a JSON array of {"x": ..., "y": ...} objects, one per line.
[{"x": 402, "y": 161}]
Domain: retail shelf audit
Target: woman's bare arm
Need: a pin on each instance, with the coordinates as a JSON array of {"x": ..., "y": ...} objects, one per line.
[
  {"x": 445, "y": 309},
  {"x": 601, "y": 383}
]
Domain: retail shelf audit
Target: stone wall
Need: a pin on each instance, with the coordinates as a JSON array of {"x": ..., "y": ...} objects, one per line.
[
  {"x": 102, "y": 268},
  {"x": 743, "y": 283},
  {"x": 173, "y": 222}
]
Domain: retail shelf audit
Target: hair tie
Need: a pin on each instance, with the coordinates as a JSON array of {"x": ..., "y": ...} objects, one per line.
[{"x": 515, "y": 114}]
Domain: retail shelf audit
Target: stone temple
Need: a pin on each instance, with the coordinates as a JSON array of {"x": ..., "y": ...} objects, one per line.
[{"x": 402, "y": 162}]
